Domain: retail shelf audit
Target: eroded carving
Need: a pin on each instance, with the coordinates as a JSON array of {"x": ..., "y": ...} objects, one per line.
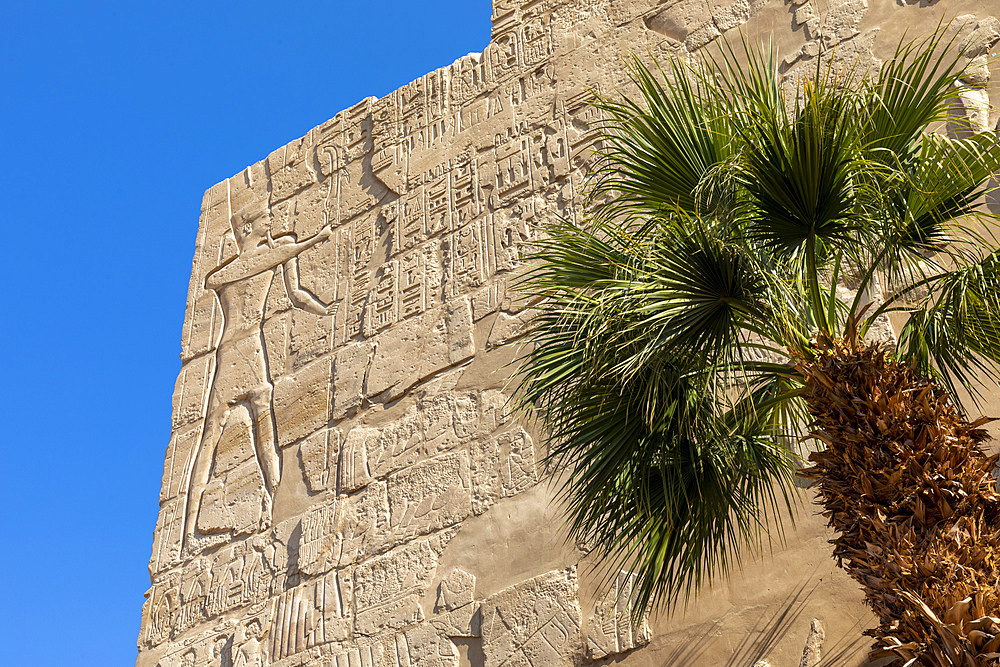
[
  {"x": 611, "y": 628},
  {"x": 455, "y": 590},
  {"x": 503, "y": 466},
  {"x": 534, "y": 623},
  {"x": 388, "y": 588},
  {"x": 310, "y": 615},
  {"x": 241, "y": 378}
]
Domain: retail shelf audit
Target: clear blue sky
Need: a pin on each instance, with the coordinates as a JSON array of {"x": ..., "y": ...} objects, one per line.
[{"x": 114, "y": 119}]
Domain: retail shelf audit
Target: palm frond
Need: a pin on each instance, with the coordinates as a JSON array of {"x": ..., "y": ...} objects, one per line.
[
  {"x": 913, "y": 89},
  {"x": 955, "y": 334},
  {"x": 657, "y": 148},
  {"x": 667, "y": 353},
  {"x": 678, "y": 500},
  {"x": 798, "y": 167}
]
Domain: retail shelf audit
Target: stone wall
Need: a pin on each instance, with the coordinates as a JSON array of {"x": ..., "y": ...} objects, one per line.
[{"x": 343, "y": 485}]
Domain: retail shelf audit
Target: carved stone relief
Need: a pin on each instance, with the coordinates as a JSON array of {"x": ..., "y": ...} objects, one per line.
[
  {"x": 611, "y": 628},
  {"x": 341, "y": 419}
]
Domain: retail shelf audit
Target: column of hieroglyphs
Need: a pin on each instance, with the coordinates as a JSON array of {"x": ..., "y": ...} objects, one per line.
[{"x": 343, "y": 485}]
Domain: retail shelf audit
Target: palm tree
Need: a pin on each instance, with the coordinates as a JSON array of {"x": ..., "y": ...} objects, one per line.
[{"x": 727, "y": 299}]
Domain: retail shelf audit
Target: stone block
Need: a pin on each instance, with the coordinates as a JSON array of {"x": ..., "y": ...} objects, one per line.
[
  {"x": 461, "y": 345},
  {"x": 398, "y": 358},
  {"x": 509, "y": 327},
  {"x": 290, "y": 169},
  {"x": 205, "y": 326},
  {"x": 354, "y": 471},
  {"x": 275, "y": 331},
  {"x": 388, "y": 588},
  {"x": 982, "y": 38},
  {"x": 729, "y": 14},
  {"x": 679, "y": 19},
  {"x": 310, "y": 336},
  {"x": 406, "y": 354},
  {"x": 461, "y": 622},
  {"x": 191, "y": 390},
  {"x": 313, "y": 614},
  {"x": 456, "y": 590},
  {"x": 319, "y": 455},
  {"x": 495, "y": 410},
  {"x": 449, "y": 420},
  {"x": 502, "y": 466},
  {"x": 343, "y": 532},
  {"x": 611, "y": 628},
  {"x": 534, "y": 623},
  {"x": 424, "y": 646},
  {"x": 429, "y": 496},
  {"x": 167, "y": 537},
  {"x": 323, "y": 268},
  {"x": 350, "y": 366},
  {"x": 369, "y": 655},
  {"x": 302, "y": 402},
  {"x": 304, "y": 213},
  {"x": 398, "y": 445},
  {"x": 320, "y": 541},
  {"x": 234, "y": 498},
  {"x": 364, "y": 524},
  {"x": 180, "y": 452},
  {"x": 487, "y": 299}
]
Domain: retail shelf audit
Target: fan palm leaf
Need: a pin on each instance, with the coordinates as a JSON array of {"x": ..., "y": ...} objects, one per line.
[{"x": 683, "y": 331}]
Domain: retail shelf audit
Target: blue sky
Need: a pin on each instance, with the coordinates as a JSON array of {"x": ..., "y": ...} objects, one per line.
[{"x": 114, "y": 119}]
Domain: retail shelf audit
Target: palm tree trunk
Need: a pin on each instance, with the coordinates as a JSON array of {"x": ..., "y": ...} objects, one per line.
[{"x": 905, "y": 483}]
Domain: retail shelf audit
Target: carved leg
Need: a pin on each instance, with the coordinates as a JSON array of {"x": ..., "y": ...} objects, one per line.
[
  {"x": 265, "y": 444},
  {"x": 202, "y": 467}
]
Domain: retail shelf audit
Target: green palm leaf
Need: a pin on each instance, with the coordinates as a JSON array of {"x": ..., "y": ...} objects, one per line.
[{"x": 666, "y": 351}]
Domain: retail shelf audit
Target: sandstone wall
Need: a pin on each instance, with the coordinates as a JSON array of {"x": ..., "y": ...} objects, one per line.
[{"x": 343, "y": 485}]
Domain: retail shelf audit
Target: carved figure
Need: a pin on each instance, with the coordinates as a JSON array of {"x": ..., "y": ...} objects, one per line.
[
  {"x": 220, "y": 652},
  {"x": 251, "y": 651},
  {"x": 241, "y": 285}
]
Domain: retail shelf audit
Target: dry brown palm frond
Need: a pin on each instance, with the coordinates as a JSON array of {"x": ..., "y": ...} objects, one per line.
[{"x": 907, "y": 486}]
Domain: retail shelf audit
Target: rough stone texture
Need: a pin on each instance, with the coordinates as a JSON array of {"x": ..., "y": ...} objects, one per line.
[
  {"x": 812, "y": 653},
  {"x": 611, "y": 628},
  {"x": 344, "y": 485}
]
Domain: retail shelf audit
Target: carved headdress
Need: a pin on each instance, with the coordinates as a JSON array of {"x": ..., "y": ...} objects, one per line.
[{"x": 248, "y": 194}]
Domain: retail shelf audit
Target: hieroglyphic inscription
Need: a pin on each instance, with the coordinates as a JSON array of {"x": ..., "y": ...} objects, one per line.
[
  {"x": 382, "y": 300},
  {"x": 362, "y": 250}
]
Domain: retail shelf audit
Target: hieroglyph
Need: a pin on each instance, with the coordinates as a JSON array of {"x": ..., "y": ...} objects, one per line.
[{"x": 340, "y": 415}]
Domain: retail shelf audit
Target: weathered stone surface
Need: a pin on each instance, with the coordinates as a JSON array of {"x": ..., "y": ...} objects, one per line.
[
  {"x": 456, "y": 590},
  {"x": 812, "y": 652},
  {"x": 302, "y": 402},
  {"x": 345, "y": 483},
  {"x": 429, "y": 496},
  {"x": 319, "y": 454},
  {"x": 232, "y": 501},
  {"x": 503, "y": 466},
  {"x": 350, "y": 366},
  {"x": 388, "y": 588},
  {"x": 191, "y": 390},
  {"x": 534, "y": 623},
  {"x": 611, "y": 628},
  {"x": 310, "y": 615}
]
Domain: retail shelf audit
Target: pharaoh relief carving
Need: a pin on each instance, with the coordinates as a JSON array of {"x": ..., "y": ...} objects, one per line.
[
  {"x": 240, "y": 377},
  {"x": 342, "y": 450}
]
